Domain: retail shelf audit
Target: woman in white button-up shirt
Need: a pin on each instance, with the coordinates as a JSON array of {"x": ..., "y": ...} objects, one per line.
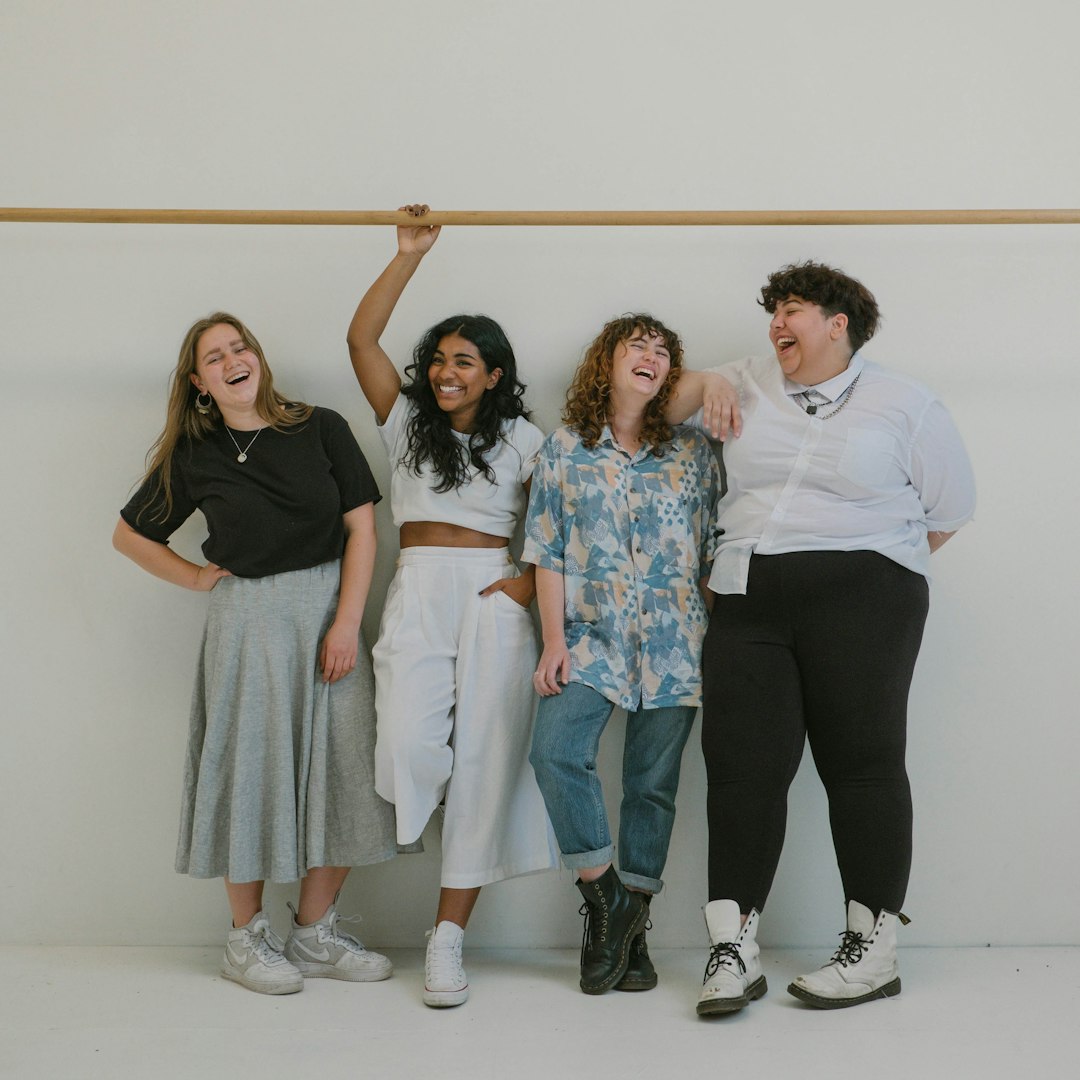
[{"x": 845, "y": 479}]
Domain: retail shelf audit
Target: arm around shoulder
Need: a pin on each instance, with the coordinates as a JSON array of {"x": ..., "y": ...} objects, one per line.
[
  {"x": 712, "y": 392},
  {"x": 378, "y": 378}
]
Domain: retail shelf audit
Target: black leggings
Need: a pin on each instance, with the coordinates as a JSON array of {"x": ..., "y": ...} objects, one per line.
[{"x": 822, "y": 646}]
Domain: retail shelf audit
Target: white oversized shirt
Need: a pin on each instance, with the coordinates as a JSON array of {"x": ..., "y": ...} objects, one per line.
[{"x": 876, "y": 476}]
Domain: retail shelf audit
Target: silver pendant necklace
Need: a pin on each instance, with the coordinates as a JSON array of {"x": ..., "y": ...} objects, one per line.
[
  {"x": 241, "y": 455},
  {"x": 812, "y": 409}
]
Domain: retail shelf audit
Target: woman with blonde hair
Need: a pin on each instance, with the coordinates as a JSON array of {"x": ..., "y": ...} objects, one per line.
[{"x": 279, "y": 773}]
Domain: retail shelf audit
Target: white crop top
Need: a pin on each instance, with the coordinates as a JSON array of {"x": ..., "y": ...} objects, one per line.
[{"x": 478, "y": 504}]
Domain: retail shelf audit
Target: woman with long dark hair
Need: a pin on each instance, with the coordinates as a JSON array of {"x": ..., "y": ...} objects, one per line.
[
  {"x": 279, "y": 774},
  {"x": 456, "y": 643}
]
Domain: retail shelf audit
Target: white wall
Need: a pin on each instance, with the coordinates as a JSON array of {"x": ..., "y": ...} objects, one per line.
[{"x": 492, "y": 105}]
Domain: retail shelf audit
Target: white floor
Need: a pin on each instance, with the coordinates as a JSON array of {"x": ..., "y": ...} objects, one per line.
[{"x": 159, "y": 1014}]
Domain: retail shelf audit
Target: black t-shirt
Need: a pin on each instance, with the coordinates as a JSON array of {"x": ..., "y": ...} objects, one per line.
[{"x": 279, "y": 510}]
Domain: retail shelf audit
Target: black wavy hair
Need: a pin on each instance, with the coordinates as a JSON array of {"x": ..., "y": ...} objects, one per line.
[
  {"x": 832, "y": 290},
  {"x": 430, "y": 436}
]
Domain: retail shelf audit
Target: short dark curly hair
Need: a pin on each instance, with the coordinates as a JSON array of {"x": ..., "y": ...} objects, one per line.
[{"x": 832, "y": 290}]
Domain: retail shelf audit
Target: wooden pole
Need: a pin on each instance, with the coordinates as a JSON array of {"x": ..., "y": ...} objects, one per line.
[{"x": 541, "y": 217}]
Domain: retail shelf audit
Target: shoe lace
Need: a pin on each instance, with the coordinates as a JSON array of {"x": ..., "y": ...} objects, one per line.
[
  {"x": 639, "y": 947},
  {"x": 330, "y": 933},
  {"x": 722, "y": 953},
  {"x": 851, "y": 948},
  {"x": 265, "y": 944},
  {"x": 586, "y": 930},
  {"x": 443, "y": 961}
]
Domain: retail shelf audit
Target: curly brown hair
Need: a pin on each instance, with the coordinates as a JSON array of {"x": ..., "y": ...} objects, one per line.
[
  {"x": 832, "y": 290},
  {"x": 588, "y": 396}
]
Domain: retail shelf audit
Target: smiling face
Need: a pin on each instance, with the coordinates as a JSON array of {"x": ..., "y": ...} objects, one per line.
[
  {"x": 811, "y": 345},
  {"x": 459, "y": 378},
  {"x": 228, "y": 370},
  {"x": 639, "y": 366}
]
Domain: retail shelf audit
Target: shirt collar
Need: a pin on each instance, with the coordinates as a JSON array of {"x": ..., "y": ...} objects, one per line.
[
  {"x": 832, "y": 388},
  {"x": 607, "y": 438}
]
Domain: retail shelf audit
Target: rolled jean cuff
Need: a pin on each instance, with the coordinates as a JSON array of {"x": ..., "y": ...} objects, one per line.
[
  {"x": 642, "y": 884},
  {"x": 583, "y": 860}
]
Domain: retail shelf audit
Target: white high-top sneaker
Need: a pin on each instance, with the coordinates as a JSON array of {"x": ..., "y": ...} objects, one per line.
[
  {"x": 324, "y": 951},
  {"x": 445, "y": 982},
  {"x": 253, "y": 958},
  {"x": 733, "y": 975},
  {"x": 863, "y": 968}
]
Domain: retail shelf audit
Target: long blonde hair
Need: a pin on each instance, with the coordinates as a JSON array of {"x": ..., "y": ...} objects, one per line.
[
  {"x": 184, "y": 421},
  {"x": 589, "y": 394}
]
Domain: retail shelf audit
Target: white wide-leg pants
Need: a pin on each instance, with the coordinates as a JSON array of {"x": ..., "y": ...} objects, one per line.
[{"x": 455, "y": 707}]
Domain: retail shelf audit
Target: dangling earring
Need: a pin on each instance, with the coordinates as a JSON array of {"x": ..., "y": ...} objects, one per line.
[{"x": 203, "y": 407}]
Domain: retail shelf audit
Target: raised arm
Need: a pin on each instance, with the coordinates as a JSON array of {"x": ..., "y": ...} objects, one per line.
[{"x": 374, "y": 370}]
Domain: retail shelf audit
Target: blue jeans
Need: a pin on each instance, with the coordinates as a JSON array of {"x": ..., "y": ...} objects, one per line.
[{"x": 566, "y": 739}]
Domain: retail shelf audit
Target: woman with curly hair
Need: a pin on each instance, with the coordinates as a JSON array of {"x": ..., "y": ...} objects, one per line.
[
  {"x": 279, "y": 775},
  {"x": 454, "y": 703},
  {"x": 619, "y": 530}
]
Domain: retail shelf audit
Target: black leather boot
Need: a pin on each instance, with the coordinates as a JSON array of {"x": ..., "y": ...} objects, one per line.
[
  {"x": 613, "y": 918},
  {"x": 640, "y": 973}
]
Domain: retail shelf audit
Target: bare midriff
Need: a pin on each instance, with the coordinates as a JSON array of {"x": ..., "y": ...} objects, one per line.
[{"x": 443, "y": 534}]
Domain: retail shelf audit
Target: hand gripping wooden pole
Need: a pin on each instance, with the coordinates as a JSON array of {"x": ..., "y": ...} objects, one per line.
[{"x": 541, "y": 217}]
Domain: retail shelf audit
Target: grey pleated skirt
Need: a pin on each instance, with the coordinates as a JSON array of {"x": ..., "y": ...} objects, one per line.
[{"x": 279, "y": 775}]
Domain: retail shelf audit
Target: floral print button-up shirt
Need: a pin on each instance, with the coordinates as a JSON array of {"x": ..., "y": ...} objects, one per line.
[{"x": 631, "y": 536}]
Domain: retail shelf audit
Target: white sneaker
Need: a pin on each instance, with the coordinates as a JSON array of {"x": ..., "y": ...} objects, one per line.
[
  {"x": 863, "y": 968},
  {"x": 445, "y": 982},
  {"x": 322, "y": 951},
  {"x": 253, "y": 958},
  {"x": 733, "y": 975}
]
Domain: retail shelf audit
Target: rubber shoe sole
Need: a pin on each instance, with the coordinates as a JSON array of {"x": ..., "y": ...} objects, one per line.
[
  {"x": 720, "y": 1005},
  {"x": 374, "y": 973},
  {"x": 889, "y": 990},
  {"x": 445, "y": 999},
  {"x": 290, "y": 987},
  {"x": 629, "y": 984}
]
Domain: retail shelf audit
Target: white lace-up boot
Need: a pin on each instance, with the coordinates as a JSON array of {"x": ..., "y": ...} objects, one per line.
[
  {"x": 733, "y": 975},
  {"x": 445, "y": 983},
  {"x": 253, "y": 958},
  {"x": 323, "y": 951},
  {"x": 863, "y": 968}
]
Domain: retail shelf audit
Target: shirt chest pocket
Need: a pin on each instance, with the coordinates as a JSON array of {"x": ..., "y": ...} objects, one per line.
[
  {"x": 867, "y": 458},
  {"x": 666, "y": 529}
]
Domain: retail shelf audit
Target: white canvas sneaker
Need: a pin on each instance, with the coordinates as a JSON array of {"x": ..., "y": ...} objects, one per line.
[
  {"x": 733, "y": 975},
  {"x": 323, "y": 951},
  {"x": 863, "y": 968},
  {"x": 445, "y": 982},
  {"x": 253, "y": 958}
]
